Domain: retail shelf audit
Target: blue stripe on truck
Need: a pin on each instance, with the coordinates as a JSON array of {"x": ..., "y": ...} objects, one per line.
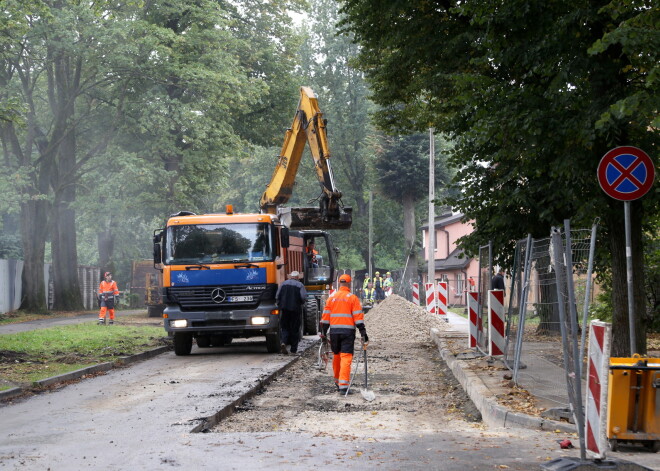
[{"x": 218, "y": 277}]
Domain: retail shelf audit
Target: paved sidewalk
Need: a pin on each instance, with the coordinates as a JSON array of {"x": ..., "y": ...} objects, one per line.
[{"x": 484, "y": 385}]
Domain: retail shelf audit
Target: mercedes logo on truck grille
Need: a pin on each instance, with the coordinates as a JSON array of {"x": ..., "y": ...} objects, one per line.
[{"x": 218, "y": 295}]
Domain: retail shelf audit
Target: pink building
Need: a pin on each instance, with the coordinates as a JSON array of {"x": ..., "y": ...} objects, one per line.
[{"x": 451, "y": 265}]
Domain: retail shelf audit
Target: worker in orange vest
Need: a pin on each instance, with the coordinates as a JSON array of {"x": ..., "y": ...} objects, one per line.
[
  {"x": 107, "y": 293},
  {"x": 341, "y": 316}
]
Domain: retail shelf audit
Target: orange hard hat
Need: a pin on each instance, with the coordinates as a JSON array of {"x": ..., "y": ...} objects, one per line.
[{"x": 345, "y": 278}]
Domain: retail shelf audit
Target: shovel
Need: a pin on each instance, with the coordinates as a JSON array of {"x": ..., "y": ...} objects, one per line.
[{"x": 366, "y": 394}]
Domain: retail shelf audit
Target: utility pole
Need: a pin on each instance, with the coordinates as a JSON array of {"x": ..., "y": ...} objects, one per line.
[
  {"x": 431, "y": 244},
  {"x": 371, "y": 224}
]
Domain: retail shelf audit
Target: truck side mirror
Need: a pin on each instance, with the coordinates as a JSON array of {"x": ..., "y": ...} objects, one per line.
[
  {"x": 284, "y": 236},
  {"x": 158, "y": 254}
]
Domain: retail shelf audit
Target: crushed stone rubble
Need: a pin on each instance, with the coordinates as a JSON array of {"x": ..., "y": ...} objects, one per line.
[
  {"x": 397, "y": 316},
  {"x": 412, "y": 384}
]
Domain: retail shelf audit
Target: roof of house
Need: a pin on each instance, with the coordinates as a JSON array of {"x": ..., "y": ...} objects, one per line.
[
  {"x": 445, "y": 220},
  {"x": 453, "y": 262}
]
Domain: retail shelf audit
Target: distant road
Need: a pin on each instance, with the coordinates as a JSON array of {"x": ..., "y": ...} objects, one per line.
[{"x": 56, "y": 321}]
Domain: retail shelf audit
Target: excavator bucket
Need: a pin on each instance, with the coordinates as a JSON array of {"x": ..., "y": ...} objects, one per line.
[{"x": 312, "y": 218}]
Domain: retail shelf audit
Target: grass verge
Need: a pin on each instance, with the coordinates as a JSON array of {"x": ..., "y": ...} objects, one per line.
[
  {"x": 31, "y": 356},
  {"x": 16, "y": 317}
]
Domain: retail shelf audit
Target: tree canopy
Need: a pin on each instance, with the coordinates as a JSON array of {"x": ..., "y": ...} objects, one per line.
[{"x": 533, "y": 94}]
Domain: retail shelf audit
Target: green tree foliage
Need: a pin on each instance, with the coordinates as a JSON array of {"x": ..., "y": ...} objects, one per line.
[
  {"x": 344, "y": 99},
  {"x": 125, "y": 112},
  {"x": 403, "y": 175},
  {"x": 533, "y": 94}
]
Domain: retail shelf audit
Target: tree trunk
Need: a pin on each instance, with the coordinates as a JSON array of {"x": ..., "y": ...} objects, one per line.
[
  {"x": 64, "y": 250},
  {"x": 547, "y": 307},
  {"x": 106, "y": 243},
  {"x": 34, "y": 230},
  {"x": 620, "y": 319},
  {"x": 65, "y": 259},
  {"x": 409, "y": 234}
]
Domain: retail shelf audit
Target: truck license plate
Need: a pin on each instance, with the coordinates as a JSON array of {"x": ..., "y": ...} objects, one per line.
[{"x": 239, "y": 299}]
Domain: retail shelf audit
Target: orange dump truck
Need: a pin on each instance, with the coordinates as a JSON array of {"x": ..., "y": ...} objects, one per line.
[{"x": 220, "y": 274}]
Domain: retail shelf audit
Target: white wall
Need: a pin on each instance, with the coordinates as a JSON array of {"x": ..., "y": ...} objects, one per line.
[{"x": 10, "y": 285}]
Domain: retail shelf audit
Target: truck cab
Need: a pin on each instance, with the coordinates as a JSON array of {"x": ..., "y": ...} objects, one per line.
[{"x": 221, "y": 272}]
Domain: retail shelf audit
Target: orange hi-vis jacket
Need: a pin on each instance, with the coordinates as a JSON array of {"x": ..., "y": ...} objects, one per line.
[
  {"x": 343, "y": 312},
  {"x": 108, "y": 289}
]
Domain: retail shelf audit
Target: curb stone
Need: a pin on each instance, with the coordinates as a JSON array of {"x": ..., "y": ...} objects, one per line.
[
  {"x": 77, "y": 374},
  {"x": 492, "y": 413}
]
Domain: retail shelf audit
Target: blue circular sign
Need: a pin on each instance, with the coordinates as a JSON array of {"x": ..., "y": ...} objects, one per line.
[{"x": 626, "y": 173}]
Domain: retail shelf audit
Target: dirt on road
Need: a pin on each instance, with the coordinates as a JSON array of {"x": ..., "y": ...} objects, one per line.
[{"x": 415, "y": 390}]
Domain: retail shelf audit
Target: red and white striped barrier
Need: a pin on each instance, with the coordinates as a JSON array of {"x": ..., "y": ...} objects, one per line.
[
  {"x": 332, "y": 291},
  {"x": 415, "y": 293},
  {"x": 473, "y": 307},
  {"x": 496, "y": 322},
  {"x": 600, "y": 334},
  {"x": 442, "y": 298},
  {"x": 430, "y": 298}
]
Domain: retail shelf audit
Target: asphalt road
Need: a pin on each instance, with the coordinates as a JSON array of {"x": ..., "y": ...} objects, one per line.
[
  {"x": 138, "y": 417},
  {"x": 142, "y": 417}
]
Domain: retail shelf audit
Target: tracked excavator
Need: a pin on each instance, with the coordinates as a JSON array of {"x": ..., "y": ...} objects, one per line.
[{"x": 220, "y": 272}]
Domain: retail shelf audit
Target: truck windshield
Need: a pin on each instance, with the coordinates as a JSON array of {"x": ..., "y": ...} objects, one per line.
[{"x": 218, "y": 243}]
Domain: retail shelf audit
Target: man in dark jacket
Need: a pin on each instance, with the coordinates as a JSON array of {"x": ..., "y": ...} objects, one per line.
[
  {"x": 498, "y": 281},
  {"x": 290, "y": 298}
]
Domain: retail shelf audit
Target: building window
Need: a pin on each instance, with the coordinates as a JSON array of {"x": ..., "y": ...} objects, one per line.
[{"x": 460, "y": 284}]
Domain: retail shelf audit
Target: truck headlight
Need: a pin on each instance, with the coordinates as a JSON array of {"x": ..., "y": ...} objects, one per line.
[
  {"x": 259, "y": 320},
  {"x": 178, "y": 323}
]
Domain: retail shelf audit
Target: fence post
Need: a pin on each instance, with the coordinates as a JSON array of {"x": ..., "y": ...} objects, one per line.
[
  {"x": 442, "y": 299},
  {"x": 430, "y": 298},
  {"x": 496, "y": 322},
  {"x": 415, "y": 293},
  {"x": 600, "y": 334},
  {"x": 473, "y": 306}
]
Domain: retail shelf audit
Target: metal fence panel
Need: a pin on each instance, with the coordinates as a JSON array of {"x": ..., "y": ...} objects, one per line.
[{"x": 534, "y": 331}]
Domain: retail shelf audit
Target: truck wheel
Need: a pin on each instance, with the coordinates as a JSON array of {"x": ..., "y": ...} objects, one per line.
[
  {"x": 614, "y": 444},
  {"x": 311, "y": 317},
  {"x": 273, "y": 341},
  {"x": 652, "y": 445},
  {"x": 182, "y": 343},
  {"x": 203, "y": 341}
]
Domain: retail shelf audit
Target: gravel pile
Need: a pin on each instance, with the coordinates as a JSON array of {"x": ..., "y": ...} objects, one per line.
[{"x": 397, "y": 316}]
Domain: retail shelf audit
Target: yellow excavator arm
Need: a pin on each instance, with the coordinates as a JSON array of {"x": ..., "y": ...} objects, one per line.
[{"x": 308, "y": 127}]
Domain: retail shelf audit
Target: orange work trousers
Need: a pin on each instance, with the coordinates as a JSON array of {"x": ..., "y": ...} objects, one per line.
[
  {"x": 341, "y": 367},
  {"x": 109, "y": 311}
]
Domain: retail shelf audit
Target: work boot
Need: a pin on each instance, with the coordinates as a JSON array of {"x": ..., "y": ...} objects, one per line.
[
  {"x": 345, "y": 391},
  {"x": 111, "y": 322},
  {"x": 101, "y": 321},
  {"x": 283, "y": 350}
]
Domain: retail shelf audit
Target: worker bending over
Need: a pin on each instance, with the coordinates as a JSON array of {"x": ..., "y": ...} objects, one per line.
[{"x": 341, "y": 316}]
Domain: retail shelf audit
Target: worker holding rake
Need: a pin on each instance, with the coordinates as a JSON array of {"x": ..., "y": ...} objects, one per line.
[{"x": 341, "y": 316}]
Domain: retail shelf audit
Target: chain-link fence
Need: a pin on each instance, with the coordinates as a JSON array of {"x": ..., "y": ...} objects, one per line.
[{"x": 547, "y": 313}]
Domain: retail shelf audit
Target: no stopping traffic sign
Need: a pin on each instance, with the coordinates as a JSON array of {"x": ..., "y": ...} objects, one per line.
[{"x": 626, "y": 173}]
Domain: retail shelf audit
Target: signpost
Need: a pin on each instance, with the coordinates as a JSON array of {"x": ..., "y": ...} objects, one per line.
[{"x": 627, "y": 173}]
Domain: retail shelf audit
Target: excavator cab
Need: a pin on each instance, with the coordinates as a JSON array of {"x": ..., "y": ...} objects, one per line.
[{"x": 319, "y": 259}]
